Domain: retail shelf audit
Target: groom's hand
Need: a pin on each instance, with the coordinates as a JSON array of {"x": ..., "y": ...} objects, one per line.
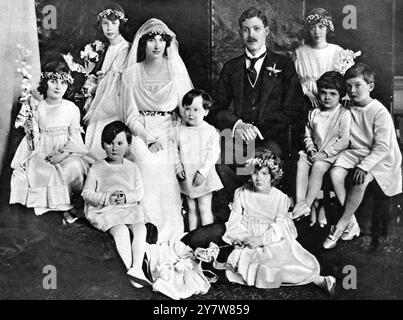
[
  {"x": 313, "y": 99},
  {"x": 246, "y": 131}
]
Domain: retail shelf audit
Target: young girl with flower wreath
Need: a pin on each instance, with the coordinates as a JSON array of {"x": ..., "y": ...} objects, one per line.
[
  {"x": 258, "y": 242},
  {"x": 105, "y": 106},
  {"x": 50, "y": 165},
  {"x": 316, "y": 56}
]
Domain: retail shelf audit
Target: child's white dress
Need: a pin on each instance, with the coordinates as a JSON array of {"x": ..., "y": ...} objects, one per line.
[
  {"x": 199, "y": 150},
  {"x": 282, "y": 260},
  {"x": 104, "y": 179},
  {"x": 35, "y": 182},
  {"x": 374, "y": 147},
  {"x": 327, "y": 131},
  {"x": 311, "y": 63},
  {"x": 105, "y": 106}
]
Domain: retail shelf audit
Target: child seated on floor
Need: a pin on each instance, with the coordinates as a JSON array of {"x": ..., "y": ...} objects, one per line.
[
  {"x": 373, "y": 155},
  {"x": 327, "y": 133},
  {"x": 258, "y": 242},
  {"x": 112, "y": 193}
]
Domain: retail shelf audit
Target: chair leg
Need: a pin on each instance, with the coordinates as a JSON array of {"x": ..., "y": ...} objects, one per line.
[
  {"x": 375, "y": 227},
  {"x": 380, "y": 213},
  {"x": 385, "y": 221}
]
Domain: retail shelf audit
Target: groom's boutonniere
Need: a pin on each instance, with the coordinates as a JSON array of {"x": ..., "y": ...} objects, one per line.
[{"x": 272, "y": 70}]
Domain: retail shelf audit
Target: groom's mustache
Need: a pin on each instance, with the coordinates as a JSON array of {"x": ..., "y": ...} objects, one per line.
[{"x": 252, "y": 40}]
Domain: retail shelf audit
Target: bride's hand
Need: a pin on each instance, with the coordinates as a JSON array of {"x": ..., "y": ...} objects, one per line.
[
  {"x": 155, "y": 147},
  {"x": 57, "y": 157}
]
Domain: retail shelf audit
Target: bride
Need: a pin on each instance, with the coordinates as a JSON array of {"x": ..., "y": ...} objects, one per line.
[{"x": 153, "y": 86}]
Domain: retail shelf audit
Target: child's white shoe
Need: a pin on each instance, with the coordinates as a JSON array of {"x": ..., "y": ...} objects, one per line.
[
  {"x": 135, "y": 284},
  {"x": 330, "y": 284},
  {"x": 297, "y": 205},
  {"x": 68, "y": 218},
  {"x": 313, "y": 216},
  {"x": 304, "y": 210},
  {"x": 138, "y": 276},
  {"x": 352, "y": 230},
  {"x": 322, "y": 217}
]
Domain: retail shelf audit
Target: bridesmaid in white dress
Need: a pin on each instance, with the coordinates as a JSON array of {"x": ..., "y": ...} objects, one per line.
[
  {"x": 105, "y": 106},
  {"x": 46, "y": 177},
  {"x": 258, "y": 246},
  {"x": 153, "y": 86},
  {"x": 316, "y": 56}
]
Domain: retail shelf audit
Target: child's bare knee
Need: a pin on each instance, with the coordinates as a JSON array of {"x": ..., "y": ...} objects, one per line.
[
  {"x": 118, "y": 230},
  {"x": 302, "y": 163},
  {"x": 320, "y": 166},
  {"x": 337, "y": 173}
]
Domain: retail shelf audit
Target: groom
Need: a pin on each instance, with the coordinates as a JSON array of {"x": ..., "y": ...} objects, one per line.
[{"x": 266, "y": 95}]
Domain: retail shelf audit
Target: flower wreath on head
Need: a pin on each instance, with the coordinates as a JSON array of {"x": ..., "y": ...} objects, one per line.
[
  {"x": 270, "y": 163},
  {"x": 108, "y": 12},
  {"x": 160, "y": 32},
  {"x": 64, "y": 76},
  {"x": 316, "y": 18}
]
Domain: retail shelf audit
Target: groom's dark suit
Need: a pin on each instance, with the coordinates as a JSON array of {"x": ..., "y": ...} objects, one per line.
[{"x": 272, "y": 105}]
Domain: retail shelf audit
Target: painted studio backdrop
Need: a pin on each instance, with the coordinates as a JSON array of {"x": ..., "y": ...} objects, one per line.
[{"x": 207, "y": 31}]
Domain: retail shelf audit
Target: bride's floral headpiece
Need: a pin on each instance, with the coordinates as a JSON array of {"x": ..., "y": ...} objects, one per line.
[
  {"x": 316, "y": 18},
  {"x": 159, "y": 31},
  {"x": 270, "y": 163},
  {"x": 109, "y": 12},
  {"x": 64, "y": 76}
]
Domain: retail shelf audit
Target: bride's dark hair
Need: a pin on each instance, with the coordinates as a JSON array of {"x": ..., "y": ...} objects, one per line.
[{"x": 141, "y": 51}]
